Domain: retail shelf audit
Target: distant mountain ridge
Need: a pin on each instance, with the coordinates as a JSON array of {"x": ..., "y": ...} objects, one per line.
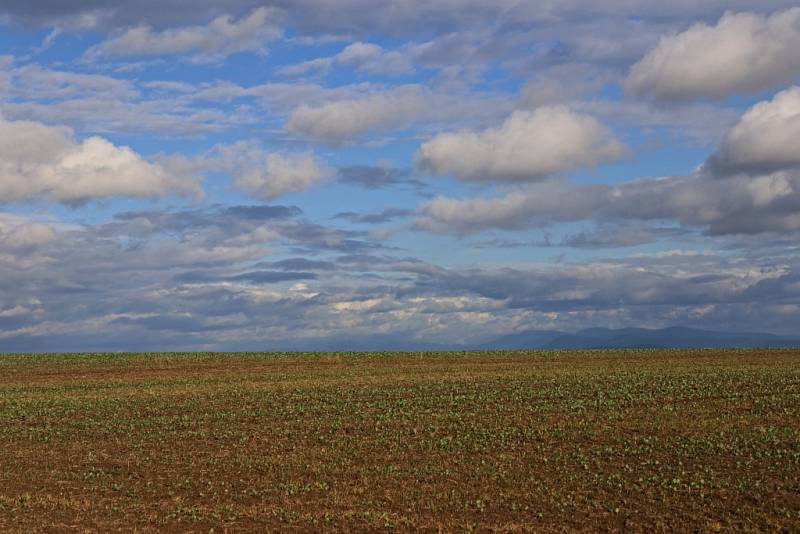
[
  {"x": 589, "y": 338},
  {"x": 605, "y": 338}
]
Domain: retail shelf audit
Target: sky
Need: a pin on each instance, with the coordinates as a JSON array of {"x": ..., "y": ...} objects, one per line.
[{"x": 251, "y": 175}]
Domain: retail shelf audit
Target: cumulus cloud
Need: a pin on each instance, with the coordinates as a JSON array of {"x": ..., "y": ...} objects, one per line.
[
  {"x": 39, "y": 161},
  {"x": 744, "y": 52},
  {"x": 765, "y": 139},
  {"x": 344, "y": 120},
  {"x": 222, "y": 37},
  {"x": 527, "y": 146},
  {"x": 267, "y": 175}
]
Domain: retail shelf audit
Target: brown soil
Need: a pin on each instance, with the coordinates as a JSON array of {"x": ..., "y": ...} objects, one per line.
[{"x": 647, "y": 441}]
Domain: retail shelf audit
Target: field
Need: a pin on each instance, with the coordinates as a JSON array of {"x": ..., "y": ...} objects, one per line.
[{"x": 646, "y": 440}]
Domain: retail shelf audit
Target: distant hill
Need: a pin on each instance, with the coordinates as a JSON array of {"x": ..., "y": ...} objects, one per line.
[
  {"x": 672, "y": 337},
  {"x": 590, "y": 338},
  {"x": 528, "y": 339},
  {"x": 396, "y": 342}
]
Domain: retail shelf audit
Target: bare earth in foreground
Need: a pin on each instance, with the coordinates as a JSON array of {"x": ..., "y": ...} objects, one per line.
[{"x": 648, "y": 440}]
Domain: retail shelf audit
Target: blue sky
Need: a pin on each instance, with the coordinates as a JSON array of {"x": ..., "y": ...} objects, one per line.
[{"x": 250, "y": 174}]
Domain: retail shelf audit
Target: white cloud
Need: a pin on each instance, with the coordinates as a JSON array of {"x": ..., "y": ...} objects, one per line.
[
  {"x": 528, "y": 145},
  {"x": 464, "y": 216},
  {"x": 540, "y": 204},
  {"x": 364, "y": 57},
  {"x": 700, "y": 123},
  {"x": 26, "y": 236},
  {"x": 371, "y": 58},
  {"x": 40, "y": 161},
  {"x": 765, "y": 139},
  {"x": 744, "y": 52},
  {"x": 105, "y": 104},
  {"x": 222, "y": 37},
  {"x": 267, "y": 175},
  {"x": 345, "y": 120},
  {"x": 322, "y": 64},
  {"x": 562, "y": 84},
  {"x": 36, "y": 82}
]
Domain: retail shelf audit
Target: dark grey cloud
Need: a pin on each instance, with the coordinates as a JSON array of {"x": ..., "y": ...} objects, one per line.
[
  {"x": 173, "y": 323},
  {"x": 224, "y": 226},
  {"x": 622, "y": 235},
  {"x": 271, "y": 277},
  {"x": 602, "y": 236},
  {"x": 506, "y": 243},
  {"x": 295, "y": 264},
  {"x": 389, "y": 214},
  {"x": 257, "y": 277},
  {"x": 264, "y": 212},
  {"x": 616, "y": 284},
  {"x": 364, "y": 16},
  {"x": 371, "y": 177}
]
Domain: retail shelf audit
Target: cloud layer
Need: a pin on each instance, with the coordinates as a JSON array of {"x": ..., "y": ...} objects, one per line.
[
  {"x": 197, "y": 279},
  {"x": 737, "y": 205}
]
